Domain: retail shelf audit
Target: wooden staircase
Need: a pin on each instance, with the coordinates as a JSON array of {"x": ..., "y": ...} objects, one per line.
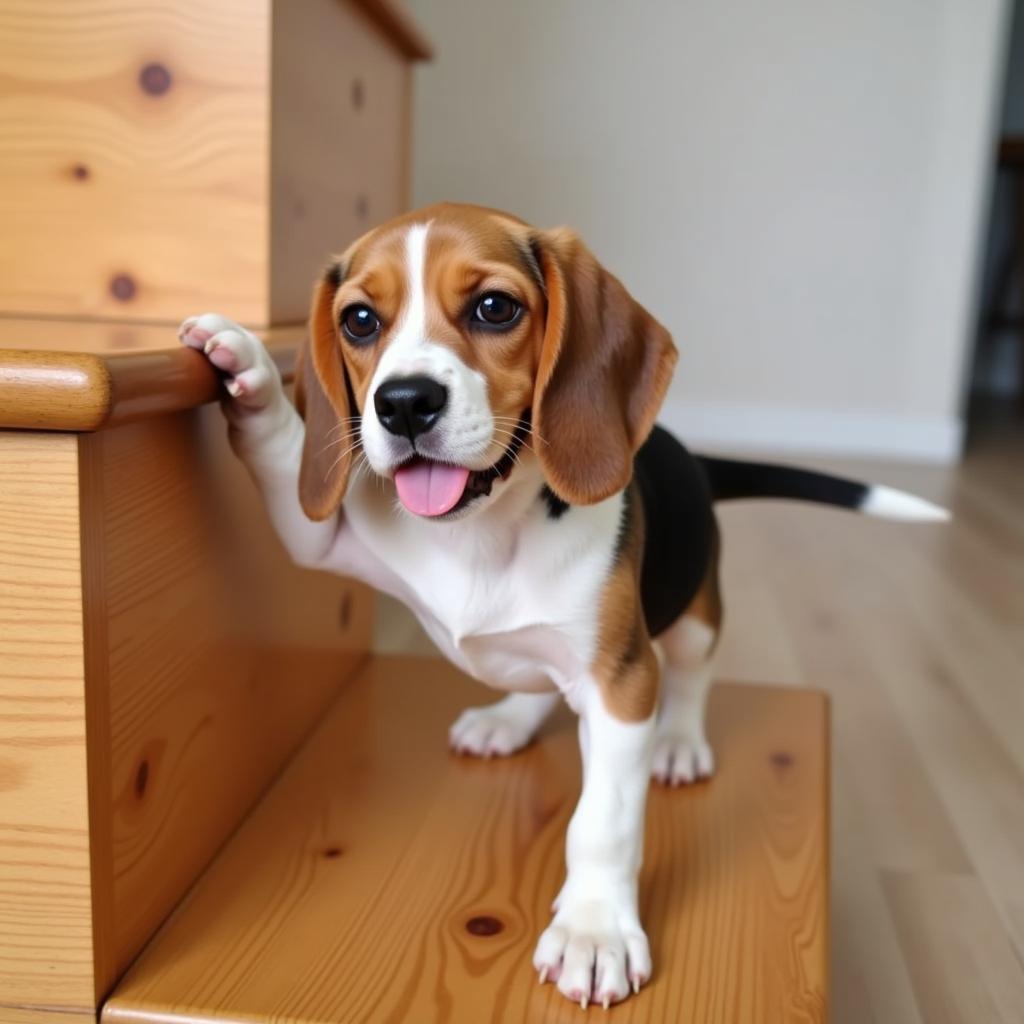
[{"x": 216, "y": 805}]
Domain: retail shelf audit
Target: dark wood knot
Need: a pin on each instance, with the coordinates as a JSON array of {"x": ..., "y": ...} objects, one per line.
[
  {"x": 484, "y": 925},
  {"x": 80, "y": 172},
  {"x": 345, "y": 610},
  {"x": 333, "y": 852},
  {"x": 155, "y": 79},
  {"x": 141, "y": 778},
  {"x": 781, "y": 759},
  {"x": 122, "y": 287}
]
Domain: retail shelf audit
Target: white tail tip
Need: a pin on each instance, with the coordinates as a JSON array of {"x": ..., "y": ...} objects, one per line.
[{"x": 888, "y": 503}]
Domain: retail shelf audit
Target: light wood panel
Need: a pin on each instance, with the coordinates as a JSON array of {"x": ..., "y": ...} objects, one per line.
[
  {"x": 385, "y": 879},
  {"x": 29, "y": 1015},
  {"x": 917, "y": 632},
  {"x": 143, "y": 175},
  {"x": 127, "y": 192},
  {"x": 209, "y": 657},
  {"x": 45, "y": 907},
  {"x": 333, "y": 67}
]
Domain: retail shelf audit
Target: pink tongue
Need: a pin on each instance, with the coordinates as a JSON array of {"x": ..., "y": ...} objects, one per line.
[{"x": 430, "y": 488}]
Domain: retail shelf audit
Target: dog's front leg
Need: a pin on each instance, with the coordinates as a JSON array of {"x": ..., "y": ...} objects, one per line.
[
  {"x": 265, "y": 430},
  {"x": 595, "y": 947}
]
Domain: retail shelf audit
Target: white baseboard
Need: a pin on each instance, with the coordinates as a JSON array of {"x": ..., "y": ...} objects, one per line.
[{"x": 856, "y": 434}]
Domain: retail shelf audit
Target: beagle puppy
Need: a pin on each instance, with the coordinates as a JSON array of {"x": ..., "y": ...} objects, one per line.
[{"x": 474, "y": 434}]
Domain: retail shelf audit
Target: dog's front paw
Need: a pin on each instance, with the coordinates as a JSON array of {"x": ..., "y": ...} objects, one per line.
[
  {"x": 681, "y": 758},
  {"x": 594, "y": 950},
  {"x": 490, "y": 732},
  {"x": 252, "y": 379}
]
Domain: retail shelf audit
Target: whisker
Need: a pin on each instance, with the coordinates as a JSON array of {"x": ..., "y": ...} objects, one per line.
[
  {"x": 342, "y": 440},
  {"x": 341, "y": 423},
  {"x": 339, "y": 458},
  {"x": 516, "y": 424},
  {"x": 348, "y": 433}
]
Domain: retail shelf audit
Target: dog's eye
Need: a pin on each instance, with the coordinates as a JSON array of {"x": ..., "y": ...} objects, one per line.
[
  {"x": 359, "y": 323},
  {"x": 497, "y": 310}
]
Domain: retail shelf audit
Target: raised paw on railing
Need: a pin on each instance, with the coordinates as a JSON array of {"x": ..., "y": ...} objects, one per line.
[{"x": 252, "y": 380}]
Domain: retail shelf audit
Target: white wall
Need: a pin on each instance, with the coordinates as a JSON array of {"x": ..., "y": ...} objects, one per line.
[{"x": 793, "y": 186}]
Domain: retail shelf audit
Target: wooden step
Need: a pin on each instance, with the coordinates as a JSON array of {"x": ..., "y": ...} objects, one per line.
[
  {"x": 160, "y": 656},
  {"x": 384, "y": 879}
]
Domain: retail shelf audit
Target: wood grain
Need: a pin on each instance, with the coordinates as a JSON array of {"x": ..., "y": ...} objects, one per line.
[
  {"x": 350, "y": 892},
  {"x": 143, "y": 175},
  {"x": 106, "y": 182},
  {"x": 209, "y": 657},
  {"x": 56, "y": 375},
  {"x": 331, "y": 66},
  {"x": 42, "y": 1015},
  {"x": 45, "y": 903}
]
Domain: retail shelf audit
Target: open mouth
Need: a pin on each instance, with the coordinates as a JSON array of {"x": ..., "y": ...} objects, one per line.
[{"x": 430, "y": 488}]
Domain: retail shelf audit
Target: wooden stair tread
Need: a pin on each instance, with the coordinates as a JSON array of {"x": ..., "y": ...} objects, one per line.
[{"x": 384, "y": 879}]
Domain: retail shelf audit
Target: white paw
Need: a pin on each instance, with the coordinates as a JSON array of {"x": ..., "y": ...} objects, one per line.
[
  {"x": 489, "y": 732},
  {"x": 595, "y": 951},
  {"x": 252, "y": 379},
  {"x": 680, "y": 758}
]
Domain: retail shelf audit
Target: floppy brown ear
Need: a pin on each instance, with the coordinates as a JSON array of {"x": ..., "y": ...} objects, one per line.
[
  {"x": 322, "y": 398},
  {"x": 604, "y": 368}
]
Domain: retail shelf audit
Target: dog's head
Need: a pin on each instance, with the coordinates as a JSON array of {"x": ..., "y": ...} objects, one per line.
[{"x": 442, "y": 343}]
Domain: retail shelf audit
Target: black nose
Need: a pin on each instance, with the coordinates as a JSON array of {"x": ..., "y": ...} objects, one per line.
[{"x": 409, "y": 406}]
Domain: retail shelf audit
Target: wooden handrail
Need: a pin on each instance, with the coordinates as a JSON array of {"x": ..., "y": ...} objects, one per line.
[{"x": 83, "y": 376}]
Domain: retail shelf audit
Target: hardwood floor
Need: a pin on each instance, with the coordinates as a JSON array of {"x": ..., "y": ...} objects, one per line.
[{"x": 917, "y": 632}]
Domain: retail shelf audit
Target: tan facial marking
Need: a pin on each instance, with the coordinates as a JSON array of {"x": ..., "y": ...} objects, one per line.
[
  {"x": 377, "y": 278},
  {"x": 462, "y": 266}
]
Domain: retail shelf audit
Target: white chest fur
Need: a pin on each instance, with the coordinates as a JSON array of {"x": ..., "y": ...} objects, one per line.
[{"x": 509, "y": 595}]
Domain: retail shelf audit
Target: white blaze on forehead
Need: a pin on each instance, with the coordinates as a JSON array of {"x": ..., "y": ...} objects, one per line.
[
  {"x": 414, "y": 324},
  {"x": 408, "y": 352}
]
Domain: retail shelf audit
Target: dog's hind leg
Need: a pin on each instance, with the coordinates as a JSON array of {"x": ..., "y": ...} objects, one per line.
[
  {"x": 681, "y": 750},
  {"x": 682, "y": 753},
  {"x": 500, "y": 729}
]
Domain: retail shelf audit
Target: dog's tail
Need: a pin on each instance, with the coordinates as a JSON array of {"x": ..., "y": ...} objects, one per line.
[{"x": 730, "y": 478}]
